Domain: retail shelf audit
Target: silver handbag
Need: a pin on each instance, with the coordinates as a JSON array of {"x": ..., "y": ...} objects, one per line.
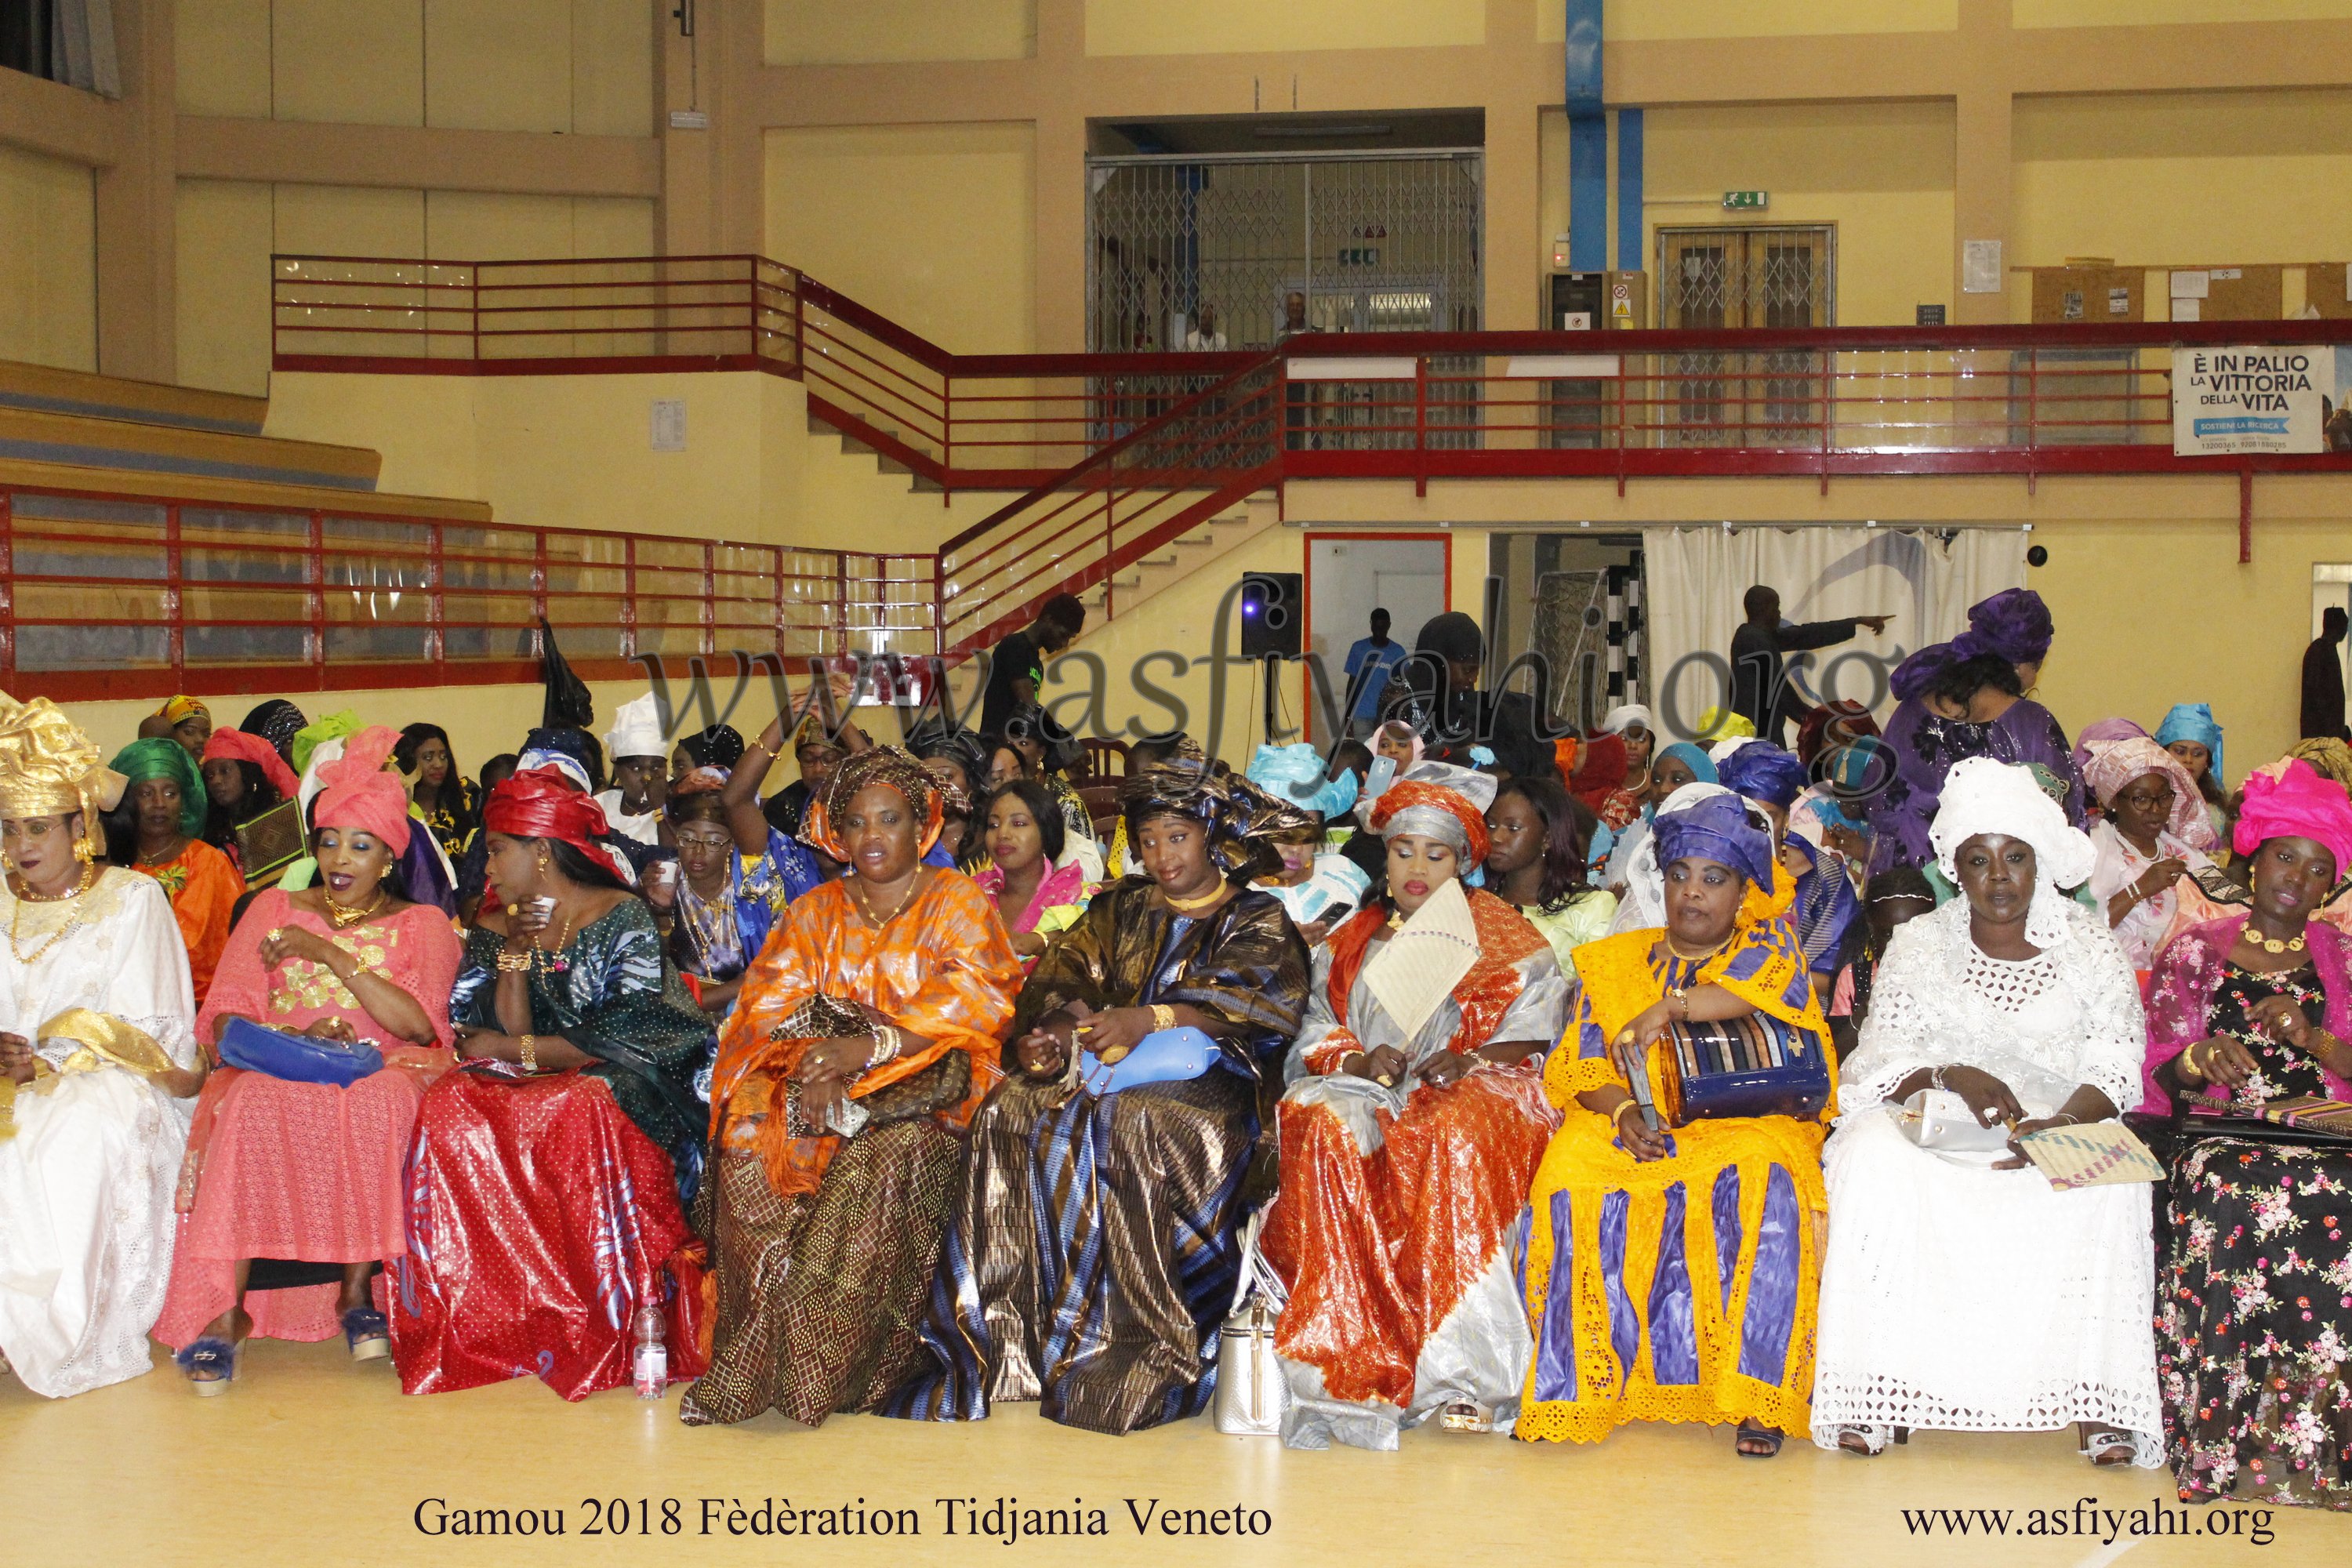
[
  {"x": 1938, "y": 1120},
  {"x": 1250, "y": 1391}
]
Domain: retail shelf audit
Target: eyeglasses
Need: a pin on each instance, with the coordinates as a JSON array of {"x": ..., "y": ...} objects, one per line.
[{"x": 704, "y": 841}]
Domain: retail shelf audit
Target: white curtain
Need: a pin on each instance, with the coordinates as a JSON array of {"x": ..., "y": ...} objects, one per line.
[{"x": 1926, "y": 579}]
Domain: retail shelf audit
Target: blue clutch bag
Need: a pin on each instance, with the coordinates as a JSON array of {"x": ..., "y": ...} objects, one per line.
[
  {"x": 1164, "y": 1055},
  {"x": 298, "y": 1059},
  {"x": 1752, "y": 1066}
]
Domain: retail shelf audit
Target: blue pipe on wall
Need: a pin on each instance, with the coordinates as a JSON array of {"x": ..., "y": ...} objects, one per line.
[
  {"x": 1588, "y": 140},
  {"x": 1628, "y": 189}
]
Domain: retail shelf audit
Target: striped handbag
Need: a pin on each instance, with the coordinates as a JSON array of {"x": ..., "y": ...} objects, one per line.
[{"x": 1751, "y": 1066}]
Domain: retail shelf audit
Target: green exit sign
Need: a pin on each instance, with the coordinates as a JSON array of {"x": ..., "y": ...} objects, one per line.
[{"x": 1747, "y": 201}]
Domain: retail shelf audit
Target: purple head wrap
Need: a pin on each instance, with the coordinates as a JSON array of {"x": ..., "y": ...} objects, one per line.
[
  {"x": 2013, "y": 622},
  {"x": 1763, "y": 771},
  {"x": 1916, "y": 673},
  {"x": 1717, "y": 828}
]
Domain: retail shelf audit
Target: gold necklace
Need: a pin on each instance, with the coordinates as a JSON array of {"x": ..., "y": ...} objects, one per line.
[
  {"x": 25, "y": 894},
  {"x": 2274, "y": 945},
  {"x": 1696, "y": 957},
  {"x": 164, "y": 860},
  {"x": 1194, "y": 906},
  {"x": 73, "y": 918},
  {"x": 342, "y": 917},
  {"x": 857, "y": 886}
]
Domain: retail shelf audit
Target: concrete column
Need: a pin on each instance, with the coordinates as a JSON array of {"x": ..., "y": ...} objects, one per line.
[
  {"x": 135, "y": 192},
  {"x": 1983, "y": 172}
]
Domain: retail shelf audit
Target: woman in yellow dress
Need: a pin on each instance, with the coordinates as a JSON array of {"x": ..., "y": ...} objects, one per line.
[{"x": 1672, "y": 1271}]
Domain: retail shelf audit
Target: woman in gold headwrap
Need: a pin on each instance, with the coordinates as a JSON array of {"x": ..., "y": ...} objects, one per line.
[{"x": 99, "y": 1070}]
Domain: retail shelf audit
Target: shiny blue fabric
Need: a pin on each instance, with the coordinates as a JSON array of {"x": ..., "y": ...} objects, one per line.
[
  {"x": 1761, "y": 770},
  {"x": 1673, "y": 1325},
  {"x": 1726, "y": 1232},
  {"x": 1717, "y": 829},
  {"x": 1772, "y": 1283},
  {"x": 1624, "y": 1328},
  {"x": 1556, "y": 1343},
  {"x": 1695, "y": 758},
  {"x": 2193, "y": 721}
]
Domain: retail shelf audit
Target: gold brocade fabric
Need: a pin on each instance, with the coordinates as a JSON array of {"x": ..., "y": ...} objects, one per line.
[
  {"x": 49, "y": 766},
  {"x": 99, "y": 1041}
]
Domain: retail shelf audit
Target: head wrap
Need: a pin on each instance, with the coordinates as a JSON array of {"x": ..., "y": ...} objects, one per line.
[
  {"x": 1717, "y": 828},
  {"x": 2014, "y": 624},
  {"x": 1188, "y": 784},
  {"x": 236, "y": 746},
  {"x": 1601, "y": 770},
  {"x": 360, "y": 794},
  {"x": 1984, "y": 796},
  {"x": 534, "y": 804},
  {"x": 1702, "y": 767},
  {"x": 1295, "y": 774},
  {"x": 1916, "y": 674},
  {"x": 49, "y": 767},
  {"x": 1723, "y": 725},
  {"x": 179, "y": 709},
  {"x": 1451, "y": 636},
  {"x": 152, "y": 759},
  {"x": 1831, "y": 725},
  {"x": 1628, "y": 716},
  {"x": 570, "y": 751},
  {"x": 719, "y": 746},
  {"x": 277, "y": 722},
  {"x": 2329, "y": 758},
  {"x": 2193, "y": 721},
  {"x": 1433, "y": 811},
  {"x": 2113, "y": 766},
  {"x": 2298, "y": 803},
  {"x": 637, "y": 729},
  {"x": 889, "y": 765},
  {"x": 2102, "y": 733},
  {"x": 333, "y": 727},
  {"x": 1034, "y": 723},
  {"x": 933, "y": 739},
  {"x": 1412, "y": 737},
  {"x": 1763, "y": 771}
]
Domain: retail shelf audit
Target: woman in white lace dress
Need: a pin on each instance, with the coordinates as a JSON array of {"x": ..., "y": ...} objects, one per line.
[
  {"x": 98, "y": 1071},
  {"x": 1962, "y": 1292}
]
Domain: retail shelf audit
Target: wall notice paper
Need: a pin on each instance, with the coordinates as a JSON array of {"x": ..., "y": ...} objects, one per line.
[
  {"x": 1418, "y": 966},
  {"x": 2192, "y": 285},
  {"x": 2263, "y": 399},
  {"x": 1981, "y": 267},
  {"x": 2092, "y": 1154}
]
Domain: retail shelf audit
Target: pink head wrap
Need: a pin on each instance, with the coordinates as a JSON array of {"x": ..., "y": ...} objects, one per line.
[
  {"x": 2116, "y": 764},
  {"x": 359, "y": 794},
  {"x": 2297, "y": 804},
  {"x": 237, "y": 746}
]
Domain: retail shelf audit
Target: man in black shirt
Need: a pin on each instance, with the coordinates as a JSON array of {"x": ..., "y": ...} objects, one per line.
[
  {"x": 1016, "y": 668},
  {"x": 2323, "y": 679},
  {"x": 1760, "y": 686}
]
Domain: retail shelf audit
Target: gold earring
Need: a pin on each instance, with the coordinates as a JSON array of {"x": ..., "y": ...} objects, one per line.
[{"x": 83, "y": 852}]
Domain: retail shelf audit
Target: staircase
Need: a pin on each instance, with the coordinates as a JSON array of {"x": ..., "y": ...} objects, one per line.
[{"x": 79, "y": 420}]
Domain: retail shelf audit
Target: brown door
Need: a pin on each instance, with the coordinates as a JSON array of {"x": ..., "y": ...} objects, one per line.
[{"x": 1711, "y": 280}]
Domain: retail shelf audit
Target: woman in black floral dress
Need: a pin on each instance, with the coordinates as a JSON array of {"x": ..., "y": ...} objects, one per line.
[{"x": 2255, "y": 1288}]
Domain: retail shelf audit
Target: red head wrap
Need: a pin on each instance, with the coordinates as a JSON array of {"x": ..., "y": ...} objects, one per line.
[
  {"x": 236, "y": 746},
  {"x": 360, "y": 794},
  {"x": 1406, "y": 795},
  {"x": 541, "y": 803},
  {"x": 1601, "y": 770}
]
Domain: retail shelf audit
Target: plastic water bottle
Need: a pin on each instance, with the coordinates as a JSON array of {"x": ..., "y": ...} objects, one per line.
[{"x": 649, "y": 1366}]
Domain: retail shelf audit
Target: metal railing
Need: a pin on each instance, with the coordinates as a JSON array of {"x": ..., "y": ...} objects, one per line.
[{"x": 108, "y": 596}]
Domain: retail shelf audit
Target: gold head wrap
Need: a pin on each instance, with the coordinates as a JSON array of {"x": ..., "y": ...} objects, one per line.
[{"x": 49, "y": 767}]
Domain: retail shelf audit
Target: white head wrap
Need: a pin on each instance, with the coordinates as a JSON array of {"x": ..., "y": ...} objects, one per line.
[
  {"x": 1984, "y": 796},
  {"x": 1644, "y": 904},
  {"x": 563, "y": 761},
  {"x": 1722, "y": 749},
  {"x": 1628, "y": 716},
  {"x": 636, "y": 731}
]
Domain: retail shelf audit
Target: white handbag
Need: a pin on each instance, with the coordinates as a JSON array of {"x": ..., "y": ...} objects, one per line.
[
  {"x": 1940, "y": 1120},
  {"x": 1250, "y": 1391}
]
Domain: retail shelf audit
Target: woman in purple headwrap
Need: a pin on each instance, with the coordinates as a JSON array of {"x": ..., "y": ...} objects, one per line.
[
  {"x": 2014, "y": 624},
  {"x": 1959, "y": 699},
  {"x": 2255, "y": 1293}
]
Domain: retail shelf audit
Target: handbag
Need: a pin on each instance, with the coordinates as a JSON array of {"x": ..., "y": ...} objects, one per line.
[
  {"x": 1164, "y": 1056},
  {"x": 1937, "y": 1118},
  {"x": 940, "y": 1085},
  {"x": 1744, "y": 1067},
  {"x": 1252, "y": 1393},
  {"x": 297, "y": 1058},
  {"x": 269, "y": 842}
]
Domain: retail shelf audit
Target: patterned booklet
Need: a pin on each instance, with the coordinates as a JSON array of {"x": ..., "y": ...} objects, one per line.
[
  {"x": 2091, "y": 1154},
  {"x": 2312, "y": 1111}
]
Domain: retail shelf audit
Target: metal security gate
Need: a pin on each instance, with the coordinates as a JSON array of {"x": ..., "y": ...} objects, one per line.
[
  {"x": 1374, "y": 241},
  {"x": 1736, "y": 276}
]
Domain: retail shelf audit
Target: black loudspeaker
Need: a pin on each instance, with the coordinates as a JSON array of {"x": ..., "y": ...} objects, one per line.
[{"x": 1273, "y": 614}]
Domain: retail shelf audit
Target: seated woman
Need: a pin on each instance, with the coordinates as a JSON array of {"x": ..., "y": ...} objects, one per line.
[
  {"x": 447, "y": 802},
  {"x": 2254, "y": 1295},
  {"x": 736, "y": 875},
  {"x": 311, "y": 1171},
  {"x": 1963, "y": 1292},
  {"x": 244, "y": 776},
  {"x": 2153, "y": 833},
  {"x": 98, "y": 1068},
  {"x": 158, "y": 831},
  {"x": 1093, "y": 1253},
  {"x": 1317, "y": 884},
  {"x": 1033, "y": 872},
  {"x": 1043, "y": 751},
  {"x": 1407, "y": 1147},
  {"x": 543, "y": 1189},
  {"x": 2190, "y": 735},
  {"x": 1675, "y": 766},
  {"x": 1628, "y": 1216},
  {"x": 1534, "y": 863},
  {"x": 1632, "y": 724},
  {"x": 865, "y": 1037},
  {"x": 1603, "y": 768},
  {"x": 958, "y": 763}
]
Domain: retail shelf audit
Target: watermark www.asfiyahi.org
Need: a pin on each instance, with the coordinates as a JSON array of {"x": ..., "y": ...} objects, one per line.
[
  {"x": 918, "y": 687},
  {"x": 2084, "y": 1518}
]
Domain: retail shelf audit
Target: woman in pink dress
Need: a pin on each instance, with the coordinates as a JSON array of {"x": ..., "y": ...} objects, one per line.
[{"x": 311, "y": 1172}]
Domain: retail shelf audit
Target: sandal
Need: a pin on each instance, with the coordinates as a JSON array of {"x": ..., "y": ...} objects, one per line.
[
  {"x": 368, "y": 1335},
  {"x": 1860, "y": 1441},
  {"x": 2108, "y": 1448},
  {"x": 1464, "y": 1416},
  {"x": 1771, "y": 1436},
  {"x": 210, "y": 1363}
]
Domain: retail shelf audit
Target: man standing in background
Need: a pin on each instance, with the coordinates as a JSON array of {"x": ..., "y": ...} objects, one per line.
[
  {"x": 1375, "y": 656},
  {"x": 2323, "y": 679},
  {"x": 1017, "y": 667},
  {"x": 1760, "y": 683}
]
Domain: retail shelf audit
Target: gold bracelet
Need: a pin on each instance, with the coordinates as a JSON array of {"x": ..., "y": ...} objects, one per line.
[
  {"x": 1163, "y": 1016},
  {"x": 529, "y": 1052},
  {"x": 514, "y": 963},
  {"x": 1617, "y": 1117},
  {"x": 2189, "y": 1061}
]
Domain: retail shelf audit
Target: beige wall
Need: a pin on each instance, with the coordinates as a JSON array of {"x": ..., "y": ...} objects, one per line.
[
  {"x": 49, "y": 261},
  {"x": 826, "y": 32}
]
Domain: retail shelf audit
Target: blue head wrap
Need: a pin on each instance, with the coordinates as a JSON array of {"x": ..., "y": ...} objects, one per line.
[
  {"x": 1695, "y": 758},
  {"x": 1761, "y": 770},
  {"x": 2193, "y": 721},
  {"x": 1295, "y": 774},
  {"x": 1717, "y": 828}
]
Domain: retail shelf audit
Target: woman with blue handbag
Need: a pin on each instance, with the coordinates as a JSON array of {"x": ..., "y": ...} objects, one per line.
[
  {"x": 1409, "y": 1133},
  {"x": 1093, "y": 1252},
  {"x": 329, "y": 1013}
]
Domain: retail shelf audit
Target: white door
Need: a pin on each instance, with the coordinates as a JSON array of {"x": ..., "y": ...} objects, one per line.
[{"x": 1347, "y": 579}]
